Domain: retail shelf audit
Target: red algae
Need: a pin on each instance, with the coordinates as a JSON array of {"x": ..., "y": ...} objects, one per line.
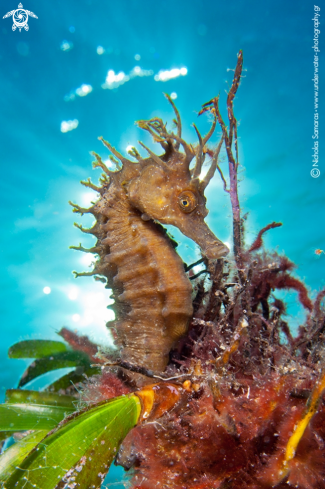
[{"x": 102, "y": 387}]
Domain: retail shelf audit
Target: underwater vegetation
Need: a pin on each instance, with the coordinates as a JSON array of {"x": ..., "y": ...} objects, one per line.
[{"x": 207, "y": 388}]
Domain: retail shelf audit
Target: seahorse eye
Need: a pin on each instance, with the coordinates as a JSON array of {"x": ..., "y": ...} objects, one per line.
[{"x": 187, "y": 201}]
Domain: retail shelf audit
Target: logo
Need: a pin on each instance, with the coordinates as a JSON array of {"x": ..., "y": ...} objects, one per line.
[{"x": 20, "y": 18}]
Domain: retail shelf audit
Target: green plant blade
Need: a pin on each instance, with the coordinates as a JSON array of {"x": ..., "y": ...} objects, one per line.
[
  {"x": 98, "y": 431},
  {"x": 23, "y": 417},
  {"x": 97, "y": 460},
  {"x": 72, "y": 378},
  {"x": 19, "y": 396},
  {"x": 15, "y": 454},
  {"x": 63, "y": 359},
  {"x": 36, "y": 348}
]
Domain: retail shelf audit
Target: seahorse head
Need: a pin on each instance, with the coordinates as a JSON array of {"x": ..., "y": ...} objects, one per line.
[{"x": 168, "y": 191}]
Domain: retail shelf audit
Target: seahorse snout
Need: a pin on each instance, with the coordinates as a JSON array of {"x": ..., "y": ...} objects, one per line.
[
  {"x": 217, "y": 250},
  {"x": 211, "y": 247}
]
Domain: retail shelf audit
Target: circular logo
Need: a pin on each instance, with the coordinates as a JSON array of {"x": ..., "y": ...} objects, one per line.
[
  {"x": 20, "y": 18},
  {"x": 315, "y": 172}
]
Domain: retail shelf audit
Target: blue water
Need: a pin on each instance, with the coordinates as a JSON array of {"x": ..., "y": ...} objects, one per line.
[{"x": 75, "y": 43}]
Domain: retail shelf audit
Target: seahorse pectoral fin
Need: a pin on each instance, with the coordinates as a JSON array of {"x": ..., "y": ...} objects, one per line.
[
  {"x": 210, "y": 245},
  {"x": 178, "y": 329}
]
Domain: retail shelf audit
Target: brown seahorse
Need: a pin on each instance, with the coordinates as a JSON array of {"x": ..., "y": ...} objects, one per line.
[{"x": 151, "y": 290}]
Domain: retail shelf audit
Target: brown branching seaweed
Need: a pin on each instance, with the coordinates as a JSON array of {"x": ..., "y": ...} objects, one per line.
[
  {"x": 258, "y": 241},
  {"x": 230, "y": 137},
  {"x": 81, "y": 343}
]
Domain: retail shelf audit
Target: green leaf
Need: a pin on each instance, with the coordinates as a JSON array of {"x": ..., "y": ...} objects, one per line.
[
  {"x": 36, "y": 348},
  {"x": 93, "y": 434},
  {"x": 40, "y": 366},
  {"x": 15, "y": 454},
  {"x": 72, "y": 378},
  {"x": 19, "y": 396},
  {"x": 23, "y": 417}
]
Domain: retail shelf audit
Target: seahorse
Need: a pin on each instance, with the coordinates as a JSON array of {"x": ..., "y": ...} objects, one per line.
[{"x": 136, "y": 256}]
